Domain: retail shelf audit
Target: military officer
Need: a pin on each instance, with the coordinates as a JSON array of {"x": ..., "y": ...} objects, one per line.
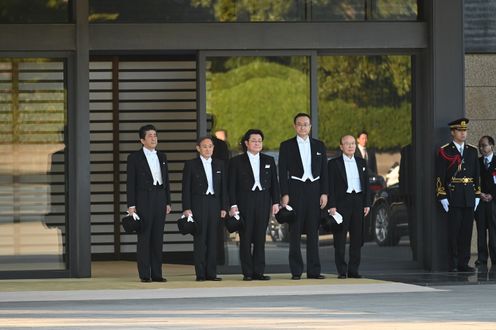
[{"x": 458, "y": 190}]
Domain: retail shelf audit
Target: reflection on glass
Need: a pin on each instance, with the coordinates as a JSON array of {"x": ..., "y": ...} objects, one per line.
[
  {"x": 264, "y": 93},
  {"x": 32, "y": 166},
  {"x": 394, "y": 10},
  {"x": 195, "y": 11},
  {"x": 344, "y": 10},
  {"x": 372, "y": 94},
  {"x": 257, "y": 92},
  {"x": 249, "y": 10},
  {"x": 34, "y": 11}
]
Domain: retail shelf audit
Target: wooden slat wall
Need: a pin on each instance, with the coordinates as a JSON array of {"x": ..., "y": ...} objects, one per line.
[{"x": 162, "y": 93}]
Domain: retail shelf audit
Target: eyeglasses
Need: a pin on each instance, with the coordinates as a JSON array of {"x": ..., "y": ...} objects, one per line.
[
  {"x": 348, "y": 143},
  {"x": 302, "y": 125},
  {"x": 255, "y": 141}
]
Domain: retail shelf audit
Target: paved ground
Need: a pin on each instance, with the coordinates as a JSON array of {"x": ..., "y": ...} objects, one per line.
[
  {"x": 356, "y": 306},
  {"x": 114, "y": 299}
]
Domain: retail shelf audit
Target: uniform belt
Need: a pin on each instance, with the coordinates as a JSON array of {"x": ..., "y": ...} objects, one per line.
[{"x": 463, "y": 180}]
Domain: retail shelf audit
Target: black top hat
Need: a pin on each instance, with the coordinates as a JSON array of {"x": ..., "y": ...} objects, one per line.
[
  {"x": 234, "y": 224},
  {"x": 285, "y": 216},
  {"x": 186, "y": 227},
  {"x": 459, "y": 124},
  {"x": 130, "y": 225},
  {"x": 328, "y": 223}
]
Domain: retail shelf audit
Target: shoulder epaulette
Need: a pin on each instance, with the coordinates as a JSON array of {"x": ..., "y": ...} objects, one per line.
[
  {"x": 447, "y": 144},
  {"x": 471, "y": 145}
]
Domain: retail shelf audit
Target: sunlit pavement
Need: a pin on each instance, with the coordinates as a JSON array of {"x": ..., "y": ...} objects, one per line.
[
  {"x": 460, "y": 307},
  {"x": 107, "y": 301},
  {"x": 383, "y": 305}
]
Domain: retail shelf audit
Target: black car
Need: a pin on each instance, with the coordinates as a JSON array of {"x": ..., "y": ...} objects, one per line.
[{"x": 387, "y": 221}]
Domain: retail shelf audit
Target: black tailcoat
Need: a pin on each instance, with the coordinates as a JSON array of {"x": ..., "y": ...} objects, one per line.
[
  {"x": 304, "y": 197},
  {"x": 254, "y": 207},
  {"x": 486, "y": 214},
  {"x": 150, "y": 202},
  {"x": 206, "y": 211},
  {"x": 350, "y": 206}
]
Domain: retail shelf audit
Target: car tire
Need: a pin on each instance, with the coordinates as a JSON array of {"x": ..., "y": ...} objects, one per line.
[{"x": 384, "y": 227}]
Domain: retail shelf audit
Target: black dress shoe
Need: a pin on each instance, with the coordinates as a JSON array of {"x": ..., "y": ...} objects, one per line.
[
  {"x": 247, "y": 278},
  {"x": 466, "y": 269},
  {"x": 159, "y": 279},
  {"x": 354, "y": 275},
  {"x": 316, "y": 277},
  {"x": 216, "y": 279},
  {"x": 200, "y": 279},
  {"x": 453, "y": 270},
  {"x": 261, "y": 277},
  {"x": 342, "y": 276},
  {"x": 481, "y": 263},
  {"x": 145, "y": 280},
  {"x": 296, "y": 277}
]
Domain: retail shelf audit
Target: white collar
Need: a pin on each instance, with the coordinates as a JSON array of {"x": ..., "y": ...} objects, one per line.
[
  {"x": 252, "y": 156},
  {"x": 150, "y": 152},
  {"x": 458, "y": 146},
  {"x": 301, "y": 140},
  {"x": 489, "y": 157},
  {"x": 208, "y": 161},
  {"x": 348, "y": 159}
]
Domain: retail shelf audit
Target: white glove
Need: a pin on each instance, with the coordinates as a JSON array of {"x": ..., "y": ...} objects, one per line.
[
  {"x": 445, "y": 204},
  {"x": 190, "y": 218},
  {"x": 477, "y": 200},
  {"x": 135, "y": 216}
]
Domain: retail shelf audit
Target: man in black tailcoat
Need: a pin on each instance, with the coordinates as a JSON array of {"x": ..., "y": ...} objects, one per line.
[
  {"x": 254, "y": 193},
  {"x": 204, "y": 196},
  {"x": 148, "y": 195},
  {"x": 485, "y": 216},
  {"x": 349, "y": 196},
  {"x": 304, "y": 186}
]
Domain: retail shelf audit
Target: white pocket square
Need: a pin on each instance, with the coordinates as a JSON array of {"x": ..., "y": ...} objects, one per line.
[
  {"x": 218, "y": 172},
  {"x": 363, "y": 169},
  {"x": 318, "y": 153},
  {"x": 267, "y": 166}
]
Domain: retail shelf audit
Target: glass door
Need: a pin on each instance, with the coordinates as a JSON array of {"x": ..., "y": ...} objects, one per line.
[{"x": 262, "y": 92}]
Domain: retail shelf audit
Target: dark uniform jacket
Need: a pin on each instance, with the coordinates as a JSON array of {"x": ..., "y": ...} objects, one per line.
[
  {"x": 290, "y": 163},
  {"x": 195, "y": 181},
  {"x": 487, "y": 176},
  {"x": 457, "y": 177},
  {"x": 241, "y": 177}
]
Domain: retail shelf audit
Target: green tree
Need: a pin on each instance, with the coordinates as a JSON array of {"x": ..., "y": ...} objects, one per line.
[
  {"x": 247, "y": 10},
  {"x": 365, "y": 80},
  {"x": 388, "y": 9},
  {"x": 388, "y": 127},
  {"x": 260, "y": 95}
]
